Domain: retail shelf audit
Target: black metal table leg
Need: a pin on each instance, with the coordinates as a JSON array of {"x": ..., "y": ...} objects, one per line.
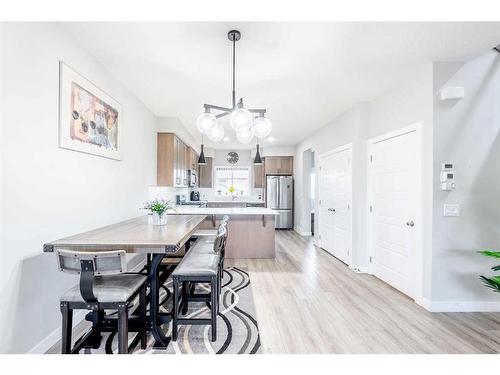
[{"x": 154, "y": 313}]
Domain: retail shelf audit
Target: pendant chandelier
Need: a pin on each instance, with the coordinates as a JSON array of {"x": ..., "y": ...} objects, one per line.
[{"x": 247, "y": 123}]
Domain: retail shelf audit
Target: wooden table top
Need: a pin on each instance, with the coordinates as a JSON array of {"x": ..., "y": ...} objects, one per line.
[{"x": 134, "y": 236}]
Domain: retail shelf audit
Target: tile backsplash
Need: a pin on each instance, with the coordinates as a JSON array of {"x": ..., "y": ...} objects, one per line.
[
  {"x": 209, "y": 194},
  {"x": 206, "y": 194},
  {"x": 167, "y": 192}
]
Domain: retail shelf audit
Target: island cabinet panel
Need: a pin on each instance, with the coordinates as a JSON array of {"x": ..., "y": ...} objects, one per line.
[
  {"x": 249, "y": 236},
  {"x": 279, "y": 165},
  {"x": 173, "y": 158},
  {"x": 259, "y": 176},
  {"x": 205, "y": 174}
]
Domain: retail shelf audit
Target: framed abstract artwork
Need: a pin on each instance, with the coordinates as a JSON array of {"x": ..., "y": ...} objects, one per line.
[{"x": 90, "y": 120}]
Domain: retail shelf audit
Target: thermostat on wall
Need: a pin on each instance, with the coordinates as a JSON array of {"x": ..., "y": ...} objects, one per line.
[{"x": 447, "y": 177}]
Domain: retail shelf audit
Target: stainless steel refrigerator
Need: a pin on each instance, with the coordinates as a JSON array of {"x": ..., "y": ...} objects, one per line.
[{"x": 279, "y": 197}]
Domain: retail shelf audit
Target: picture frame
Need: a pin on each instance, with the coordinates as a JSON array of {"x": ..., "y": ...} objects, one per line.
[{"x": 90, "y": 120}]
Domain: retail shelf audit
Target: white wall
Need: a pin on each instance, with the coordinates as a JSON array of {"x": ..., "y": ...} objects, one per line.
[
  {"x": 48, "y": 192},
  {"x": 406, "y": 104},
  {"x": 347, "y": 128},
  {"x": 467, "y": 133}
]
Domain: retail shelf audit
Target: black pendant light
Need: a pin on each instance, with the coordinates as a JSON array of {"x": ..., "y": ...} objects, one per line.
[
  {"x": 201, "y": 158},
  {"x": 258, "y": 159}
]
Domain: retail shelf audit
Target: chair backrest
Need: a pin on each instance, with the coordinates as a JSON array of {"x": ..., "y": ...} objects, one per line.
[
  {"x": 220, "y": 240},
  {"x": 104, "y": 262}
]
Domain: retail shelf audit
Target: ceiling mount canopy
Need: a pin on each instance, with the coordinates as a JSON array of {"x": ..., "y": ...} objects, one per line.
[{"x": 247, "y": 123}]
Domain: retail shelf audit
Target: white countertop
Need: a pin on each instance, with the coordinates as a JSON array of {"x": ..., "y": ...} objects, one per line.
[
  {"x": 190, "y": 210},
  {"x": 235, "y": 201}
]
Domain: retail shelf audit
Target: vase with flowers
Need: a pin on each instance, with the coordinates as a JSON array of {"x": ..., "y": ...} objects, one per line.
[
  {"x": 231, "y": 191},
  {"x": 159, "y": 207}
]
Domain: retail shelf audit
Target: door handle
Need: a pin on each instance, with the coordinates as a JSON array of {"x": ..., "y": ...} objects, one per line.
[
  {"x": 410, "y": 223},
  {"x": 331, "y": 209}
]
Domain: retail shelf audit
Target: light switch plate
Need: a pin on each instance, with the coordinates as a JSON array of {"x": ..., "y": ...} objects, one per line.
[{"x": 452, "y": 210}]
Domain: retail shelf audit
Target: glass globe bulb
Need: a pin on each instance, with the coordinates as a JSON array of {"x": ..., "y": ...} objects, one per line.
[
  {"x": 216, "y": 133},
  {"x": 205, "y": 122},
  {"x": 241, "y": 119},
  {"x": 244, "y": 136},
  {"x": 261, "y": 127}
]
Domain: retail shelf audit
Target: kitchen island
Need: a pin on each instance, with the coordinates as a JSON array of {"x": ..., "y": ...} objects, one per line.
[{"x": 251, "y": 232}]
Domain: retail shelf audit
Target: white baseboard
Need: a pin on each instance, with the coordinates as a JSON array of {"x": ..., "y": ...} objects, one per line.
[
  {"x": 302, "y": 233},
  {"x": 53, "y": 337},
  {"x": 358, "y": 269},
  {"x": 459, "y": 306}
]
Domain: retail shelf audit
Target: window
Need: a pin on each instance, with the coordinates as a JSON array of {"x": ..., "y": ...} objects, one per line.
[{"x": 238, "y": 177}]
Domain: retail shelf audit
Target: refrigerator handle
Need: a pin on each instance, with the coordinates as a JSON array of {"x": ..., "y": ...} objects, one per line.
[{"x": 277, "y": 193}]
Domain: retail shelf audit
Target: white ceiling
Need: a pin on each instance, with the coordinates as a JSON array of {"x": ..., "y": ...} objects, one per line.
[{"x": 304, "y": 74}]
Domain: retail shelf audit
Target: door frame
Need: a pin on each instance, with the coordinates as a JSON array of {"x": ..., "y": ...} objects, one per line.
[
  {"x": 418, "y": 260},
  {"x": 346, "y": 147}
]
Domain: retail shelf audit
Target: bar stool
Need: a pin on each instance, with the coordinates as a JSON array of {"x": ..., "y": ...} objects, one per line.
[
  {"x": 103, "y": 286},
  {"x": 198, "y": 266},
  {"x": 211, "y": 246}
]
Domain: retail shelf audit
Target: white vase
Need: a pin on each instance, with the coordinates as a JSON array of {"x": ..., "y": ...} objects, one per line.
[{"x": 159, "y": 219}]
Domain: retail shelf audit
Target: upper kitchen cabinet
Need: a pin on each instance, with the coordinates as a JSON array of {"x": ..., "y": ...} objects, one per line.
[
  {"x": 259, "y": 176},
  {"x": 279, "y": 165},
  {"x": 205, "y": 174},
  {"x": 192, "y": 159},
  {"x": 173, "y": 161}
]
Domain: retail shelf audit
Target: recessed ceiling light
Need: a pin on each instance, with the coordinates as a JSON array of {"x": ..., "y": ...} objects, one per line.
[
  {"x": 226, "y": 139},
  {"x": 270, "y": 139}
]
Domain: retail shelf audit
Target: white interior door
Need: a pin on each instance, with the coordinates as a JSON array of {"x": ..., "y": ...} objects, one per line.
[
  {"x": 335, "y": 207},
  {"x": 393, "y": 190}
]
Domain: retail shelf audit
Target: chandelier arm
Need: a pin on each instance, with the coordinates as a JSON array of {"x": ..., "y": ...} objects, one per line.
[
  {"x": 222, "y": 114},
  {"x": 216, "y": 107},
  {"x": 259, "y": 111}
]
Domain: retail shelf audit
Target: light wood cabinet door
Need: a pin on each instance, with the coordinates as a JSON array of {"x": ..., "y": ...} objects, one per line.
[
  {"x": 193, "y": 159},
  {"x": 205, "y": 173},
  {"x": 259, "y": 176},
  {"x": 279, "y": 165},
  {"x": 177, "y": 162},
  {"x": 185, "y": 164},
  {"x": 271, "y": 165},
  {"x": 173, "y": 161},
  {"x": 286, "y": 165},
  {"x": 165, "y": 165}
]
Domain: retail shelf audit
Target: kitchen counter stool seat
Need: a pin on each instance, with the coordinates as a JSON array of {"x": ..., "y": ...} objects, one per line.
[
  {"x": 103, "y": 286},
  {"x": 111, "y": 288}
]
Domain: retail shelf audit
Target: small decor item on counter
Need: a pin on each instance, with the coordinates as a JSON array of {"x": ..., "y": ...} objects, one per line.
[
  {"x": 158, "y": 208},
  {"x": 492, "y": 282},
  {"x": 231, "y": 189}
]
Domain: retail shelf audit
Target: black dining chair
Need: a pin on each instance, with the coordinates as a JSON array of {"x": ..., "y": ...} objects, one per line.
[{"x": 104, "y": 285}]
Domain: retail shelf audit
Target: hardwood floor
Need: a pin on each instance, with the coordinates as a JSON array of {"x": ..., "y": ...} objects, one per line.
[{"x": 309, "y": 302}]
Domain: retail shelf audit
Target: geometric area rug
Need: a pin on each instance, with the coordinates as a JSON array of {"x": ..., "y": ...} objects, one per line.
[{"x": 237, "y": 328}]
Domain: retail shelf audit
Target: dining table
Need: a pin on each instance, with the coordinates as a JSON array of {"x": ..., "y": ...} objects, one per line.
[{"x": 139, "y": 235}]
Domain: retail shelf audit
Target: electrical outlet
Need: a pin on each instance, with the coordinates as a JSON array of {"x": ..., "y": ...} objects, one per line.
[{"x": 451, "y": 210}]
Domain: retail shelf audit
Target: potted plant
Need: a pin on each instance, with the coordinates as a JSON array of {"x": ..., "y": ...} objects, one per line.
[
  {"x": 492, "y": 282},
  {"x": 231, "y": 191},
  {"x": 158, "y": 208}
]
